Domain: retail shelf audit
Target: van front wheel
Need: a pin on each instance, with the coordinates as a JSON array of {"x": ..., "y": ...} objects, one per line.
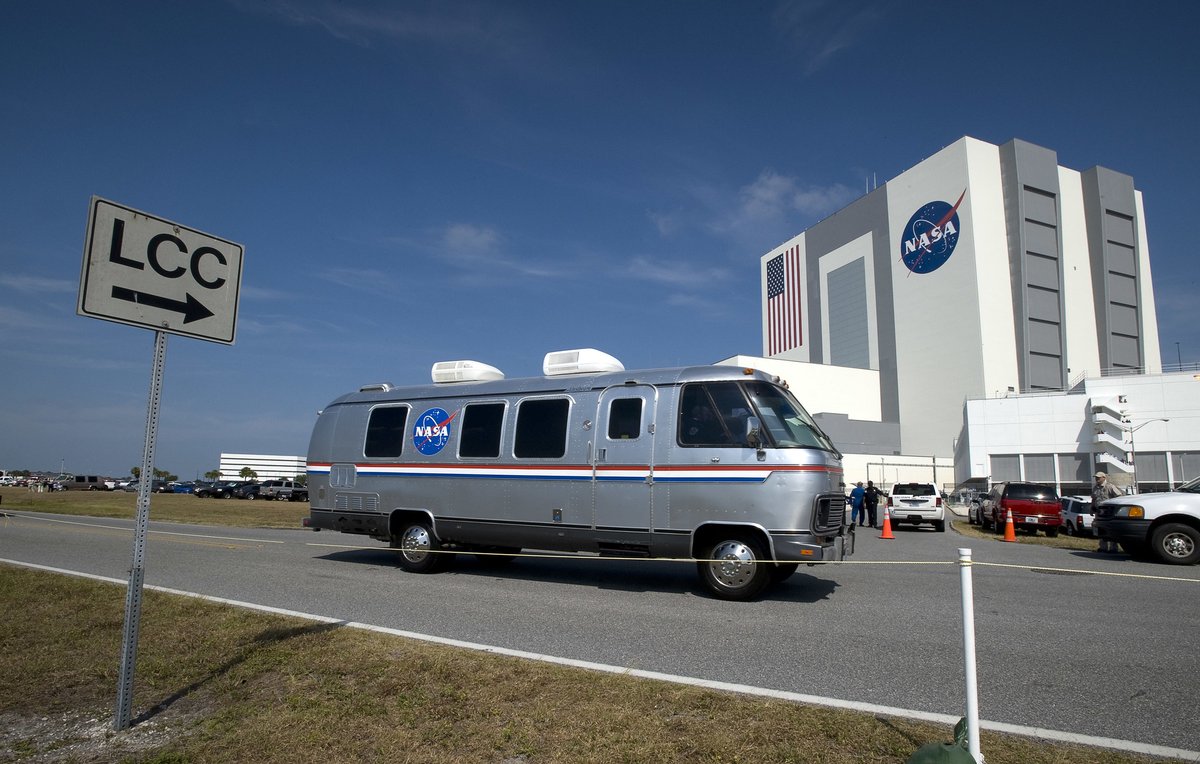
[
  {"x": 735, "y": 569},
  {"x": 418, "y": 550}
]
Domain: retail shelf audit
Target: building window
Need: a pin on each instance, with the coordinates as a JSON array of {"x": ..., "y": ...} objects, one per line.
[
  {"x": 1151, "y": 467},
  {"x": 481, "y": 427},
  {"x": 1074, "y": 468},
  {"x": 1039, "y": 468},
  {"x": 1005, "y": 467},
  {"x": 1186, "y": 464},
  {"x": 541, "y": 431},
  {"x": 386, "y": 432}
]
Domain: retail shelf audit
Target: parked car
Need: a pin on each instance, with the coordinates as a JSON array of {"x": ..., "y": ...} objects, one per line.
[
  {"x": 220, "y": 490},
  {"x": 156, "y": 486},
  {"x": 1077, "y": 515},
  {"x": 283, "y": 489},
  {"x": 974, "y": 509},
  {"x": 1034, "y": 506},
  {"x": 185, "y": 487},
  {"x": 1163, "y": 525},
  {"x": 247, "y": 491},
  {"x": 917, "y": 503},
  {"x": 89, "y": 483}
]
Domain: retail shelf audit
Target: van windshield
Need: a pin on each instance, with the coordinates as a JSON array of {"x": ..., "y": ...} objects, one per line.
[{"x": 784, "y": 419}]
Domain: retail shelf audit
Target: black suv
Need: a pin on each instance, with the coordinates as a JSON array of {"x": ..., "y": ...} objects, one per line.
[{"x": 223, "y": 490}]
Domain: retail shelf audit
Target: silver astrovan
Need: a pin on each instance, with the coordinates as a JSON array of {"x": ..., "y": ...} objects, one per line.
[{"x": 717, "y": 464}]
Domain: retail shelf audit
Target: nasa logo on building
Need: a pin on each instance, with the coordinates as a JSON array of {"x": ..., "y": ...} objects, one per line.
[
  {"x": 931, "y": 236},
  {"x": 431, "y": 431}
]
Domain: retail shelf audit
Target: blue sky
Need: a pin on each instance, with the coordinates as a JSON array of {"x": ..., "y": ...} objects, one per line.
[{"x": 423, "y": 181}]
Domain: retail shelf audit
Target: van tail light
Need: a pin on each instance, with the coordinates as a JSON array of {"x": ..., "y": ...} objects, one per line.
[
  {"x": 938, "y": 503},
  {"x": 890, "y": 502}
]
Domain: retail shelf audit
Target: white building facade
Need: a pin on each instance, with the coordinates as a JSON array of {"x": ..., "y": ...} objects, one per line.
[
  {"x": 265, "y": 466},
  {"x": 978, "y": 289}
]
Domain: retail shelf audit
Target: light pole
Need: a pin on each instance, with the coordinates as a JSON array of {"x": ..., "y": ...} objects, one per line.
[
  {"x": 1133, "y": 451},
  {"x": 1178, "y": 356}
]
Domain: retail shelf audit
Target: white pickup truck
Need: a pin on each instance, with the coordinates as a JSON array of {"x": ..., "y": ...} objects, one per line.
[
  {"x": 1162, "y": 525},
  {"x": 916, "y": 503}
]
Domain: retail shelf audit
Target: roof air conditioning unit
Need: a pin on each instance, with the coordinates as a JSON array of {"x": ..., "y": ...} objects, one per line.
[
  {"x": 445, "y": 372},
  {"x": 582, "y": 361}
]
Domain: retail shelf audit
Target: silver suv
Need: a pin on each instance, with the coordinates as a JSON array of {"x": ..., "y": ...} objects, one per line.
[{"x": 283, "y": 489}]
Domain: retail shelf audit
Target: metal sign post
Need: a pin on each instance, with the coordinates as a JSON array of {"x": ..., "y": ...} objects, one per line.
[{"x": 137, "y": 569}]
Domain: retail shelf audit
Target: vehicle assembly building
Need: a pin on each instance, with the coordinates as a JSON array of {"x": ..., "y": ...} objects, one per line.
[{"x": 990, "y": 309}]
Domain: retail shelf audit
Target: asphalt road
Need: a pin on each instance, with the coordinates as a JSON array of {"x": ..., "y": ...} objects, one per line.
[{"x": 1064, "y": 650}]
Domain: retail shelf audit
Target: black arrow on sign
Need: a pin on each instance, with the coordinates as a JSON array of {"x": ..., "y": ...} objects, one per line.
[{"x": 192, "y": 309}]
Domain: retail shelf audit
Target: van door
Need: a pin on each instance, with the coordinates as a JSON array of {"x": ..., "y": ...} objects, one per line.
[{"x": 623, "y": 458}]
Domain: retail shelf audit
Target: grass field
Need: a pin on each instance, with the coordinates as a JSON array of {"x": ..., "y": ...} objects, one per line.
[
  {"x": 168, "y": 507},
  {"x": 220, "y": 684}
]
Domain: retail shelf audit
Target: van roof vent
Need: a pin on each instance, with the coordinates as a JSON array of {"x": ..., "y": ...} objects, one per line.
[
  {"x": 378, "y": 387},
  {"x": 582, "y": 361},
  {"x": 444, "y": 372}
]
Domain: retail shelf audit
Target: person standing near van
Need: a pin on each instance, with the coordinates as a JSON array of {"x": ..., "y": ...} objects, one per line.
[
  {"x": 857, "y": 498},
  {"x": 872, "y": 500},
  {"x": 1102, "y": 491}
]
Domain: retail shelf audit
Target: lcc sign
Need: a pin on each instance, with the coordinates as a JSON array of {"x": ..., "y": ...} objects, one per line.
[{"x": 142, "y": 270}]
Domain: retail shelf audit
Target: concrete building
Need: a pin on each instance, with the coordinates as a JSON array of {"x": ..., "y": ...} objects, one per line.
[{"x": 972, "y": 312}]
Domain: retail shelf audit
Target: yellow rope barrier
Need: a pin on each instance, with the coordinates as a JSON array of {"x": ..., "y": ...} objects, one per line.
[{"x": 944, "y": 563}]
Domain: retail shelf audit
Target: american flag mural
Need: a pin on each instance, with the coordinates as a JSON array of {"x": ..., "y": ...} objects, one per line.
[{"x": 784, "y": 323}]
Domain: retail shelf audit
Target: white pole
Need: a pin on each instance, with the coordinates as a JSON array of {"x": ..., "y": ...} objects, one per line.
[{"x": 972, "y": 687}]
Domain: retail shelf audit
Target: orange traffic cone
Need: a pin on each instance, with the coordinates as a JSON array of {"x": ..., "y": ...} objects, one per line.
[
  {"x": 1010, "y": 531},
  {"x": 887, "y": 525}
]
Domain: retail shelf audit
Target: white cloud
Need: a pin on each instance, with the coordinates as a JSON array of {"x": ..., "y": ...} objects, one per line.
[
  {"x": 819, "y": 29},
  {"x": 773, "y": 200},
  {"x": 38, "y": 284},
  {"x": 675, "y": 273},
  {"x": 464, "y": 26},
  {"x": 480, "y": 251}
]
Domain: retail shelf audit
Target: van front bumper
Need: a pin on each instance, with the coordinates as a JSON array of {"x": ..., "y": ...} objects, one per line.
[{"x": 807, "y": 548}]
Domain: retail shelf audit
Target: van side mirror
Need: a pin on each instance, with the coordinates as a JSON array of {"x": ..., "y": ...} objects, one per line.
[
  {"x": 753, "y": 432},
  {"x": 754, "y": 437}
]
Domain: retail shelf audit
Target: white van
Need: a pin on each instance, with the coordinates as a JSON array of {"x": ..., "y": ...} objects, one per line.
[{"x": 713, "y": 463}]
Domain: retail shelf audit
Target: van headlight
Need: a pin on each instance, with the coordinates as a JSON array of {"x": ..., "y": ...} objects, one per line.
[{"x": 1133, "y": 512}]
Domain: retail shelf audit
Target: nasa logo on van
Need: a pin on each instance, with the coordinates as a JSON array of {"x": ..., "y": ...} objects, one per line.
[
  {"x": 431, "y": 431},
  {"x": 931, "y": 236}
]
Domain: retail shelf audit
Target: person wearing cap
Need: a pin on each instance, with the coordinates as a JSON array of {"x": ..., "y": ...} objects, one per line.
[{"x": 1103, "y": 491}]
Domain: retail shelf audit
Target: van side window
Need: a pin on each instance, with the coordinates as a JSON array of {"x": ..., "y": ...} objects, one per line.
[
  {"x": 541, "y": 428},
  {"x": 386, "y": 431},
  {"x": 481, "y": 425},
  {"x": 625, "y": 419},
  {"x": 713, "y": 414}
]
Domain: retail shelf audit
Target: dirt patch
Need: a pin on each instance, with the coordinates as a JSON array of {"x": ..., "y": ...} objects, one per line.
[{"x": 87, "y": 738}]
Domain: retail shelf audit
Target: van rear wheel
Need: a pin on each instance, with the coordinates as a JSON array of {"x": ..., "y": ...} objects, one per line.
[
  {"x": 735, "y": 569},
  {"x": 418, "y": 549}
]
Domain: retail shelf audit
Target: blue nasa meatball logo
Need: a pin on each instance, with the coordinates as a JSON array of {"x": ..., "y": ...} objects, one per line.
[
  {"x": 930, "y": 236},
  {"x": 431, "y": 431}
]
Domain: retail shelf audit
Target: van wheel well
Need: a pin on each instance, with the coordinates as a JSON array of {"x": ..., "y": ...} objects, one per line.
[
  {"x": 418, "y": 549},
  {"x": 734, "y": 561},
  {"x": 707, "y": 535}
]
